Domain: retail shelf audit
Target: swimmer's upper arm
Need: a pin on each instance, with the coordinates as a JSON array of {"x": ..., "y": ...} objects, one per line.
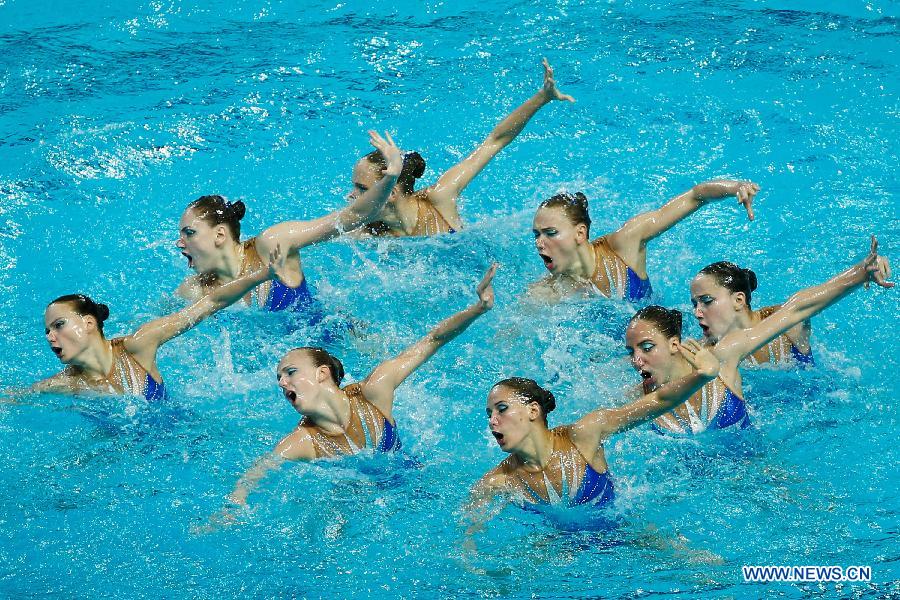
[
  {"x": 451, "y": 184},
  {"x": 599, "y": 424},
  {"x": 61, "y": 383},
  {"x": 362, "y": 209},
  {"x": 633, "y": 236},
  {"x": 150, "y": 336},
  {"x": 297, "y": 445}
]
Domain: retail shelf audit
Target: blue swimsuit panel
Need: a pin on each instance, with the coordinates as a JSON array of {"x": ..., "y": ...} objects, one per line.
[
  {"x": 155, "y": 392},
  {"x": 301, "y": 301},
  {"x": 390, "y": 441},
  {"x": 732, "y": 412},
  {"x": 281, "y": 297},
  {"x": 637, "y": 288},
  {"x": 595, "y": 487},
  {"x": 805, "y": 360}
]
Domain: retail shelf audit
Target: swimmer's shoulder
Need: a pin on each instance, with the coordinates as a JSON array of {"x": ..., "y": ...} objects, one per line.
[
  {"x": 191, "y": 289},
  {"x": 543, "y": 290},
  {"x": 498, "y": 478},
  {"x": 297, "y": 445},
  {"x": 64, "y": 382}
]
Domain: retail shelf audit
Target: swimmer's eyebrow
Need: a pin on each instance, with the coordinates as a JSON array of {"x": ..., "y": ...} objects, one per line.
[{"x": 286, "y": 367}]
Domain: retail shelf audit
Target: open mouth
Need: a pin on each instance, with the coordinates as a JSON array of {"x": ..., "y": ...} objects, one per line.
[
  {"x": 648, "y": 378},
  {"x": 189, "y": 258},
  {"x": 548, "y": 262},
  {"x": 498, "y": 436},
  {"x": 705, "y": 329},
  {"x": 57, "y": 350},
  {"x": 291, "y": 396}
]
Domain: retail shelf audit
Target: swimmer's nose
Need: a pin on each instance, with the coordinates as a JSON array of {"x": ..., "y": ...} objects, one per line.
[
  {"x": 493, "y": 420},
  {"x": 698, "y": 312},
  {"x": 179, "y": 243},
  {"x": 637, "y": 361}
]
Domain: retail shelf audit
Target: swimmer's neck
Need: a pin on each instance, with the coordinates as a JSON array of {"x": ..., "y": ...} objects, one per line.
[
  {"x": 229, "y": 263},
  {"x": 536, "y": 450},
  {"x": 331, "y": 410},
  {"x": 96, "y": 360},
  {"x": 744, "y": 319},
  {"x": 680, "y": 368},
  {"x": 585, "y": 262}
]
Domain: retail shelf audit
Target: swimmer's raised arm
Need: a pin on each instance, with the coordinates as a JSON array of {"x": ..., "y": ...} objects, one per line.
[
  {"x": 805, "y": 304},
  {"x": 630, "y": 240},
  {"x": 379, "y": 386},
  {"x": 144, "y": 343},
  {"x": 293, "y": 235},
  {"x": 451, "y": 183},
  {"x": 589, "y": 431}
]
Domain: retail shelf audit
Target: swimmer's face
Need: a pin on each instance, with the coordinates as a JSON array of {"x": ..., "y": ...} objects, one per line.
[
  {"x": 365, "y": 175},
  {"x": 557, "y": 239},
  {"x": 299, "y": 379},
  {"x": 715, "y": 307},
  {"x": 651, "y": 352},
  {"x": 510, "y": 418},
  {"x": 199, "y": 241},
  {"x": 66, "y": 331}
]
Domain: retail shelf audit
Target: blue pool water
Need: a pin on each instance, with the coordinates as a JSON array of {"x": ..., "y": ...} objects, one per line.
[{"x": 113, "y": 118}]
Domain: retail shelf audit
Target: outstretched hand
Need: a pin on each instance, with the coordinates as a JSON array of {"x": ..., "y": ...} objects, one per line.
[
  {"x": 746, "y": 191},
  {"x": 389, "y": 150},
  {"x": 485, "y": 289},
  {"x": 278, "y": 268},
  {"x": 878, "y": 269},
  {"x": 550, "y": 85},
  {"x": 703, "y": 361}
]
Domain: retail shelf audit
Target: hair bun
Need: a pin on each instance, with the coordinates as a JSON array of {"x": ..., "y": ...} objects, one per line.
[
  {"x": 677, "y": 318},
  {"x": 414, "y": 164},
  {"x": 550, "y": 402},
  {"x": 581, "y": 199},
  {"x": 751, "y": 279},
  {"x": 236, "y": 210},
  {"x": 102, "y": 312}
]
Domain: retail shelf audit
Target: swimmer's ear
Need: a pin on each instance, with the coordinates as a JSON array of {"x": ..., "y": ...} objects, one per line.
[
  {"x": 674, "y": 342},
  {"x": 221, "y": 236},
  {"x": 581, "y": 233},
  {"x": 323, "y": 374},
  {"x": 90, "y": 323},
  {"x": 534, "y": 411},
  {"x": 739, "y": 299}
]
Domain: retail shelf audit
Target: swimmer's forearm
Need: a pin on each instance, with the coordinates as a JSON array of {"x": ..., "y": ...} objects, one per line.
[
  {"x": 672, "y": 394},
  {"x": 713, "y": 190},
  {"x": 812, "y": 300},
  {"x": 454, "y": 325},
  {"x": 510, "y": 127},
  {"x": 231, "y": 292},
  {"x": 367, "y": 205}
]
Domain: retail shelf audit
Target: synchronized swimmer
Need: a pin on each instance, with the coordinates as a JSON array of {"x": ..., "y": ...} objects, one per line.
[
  {"x": 687, "y": 387},
  {"x": 613, "y": 265},
  {"x": 433, "y": 210}
]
